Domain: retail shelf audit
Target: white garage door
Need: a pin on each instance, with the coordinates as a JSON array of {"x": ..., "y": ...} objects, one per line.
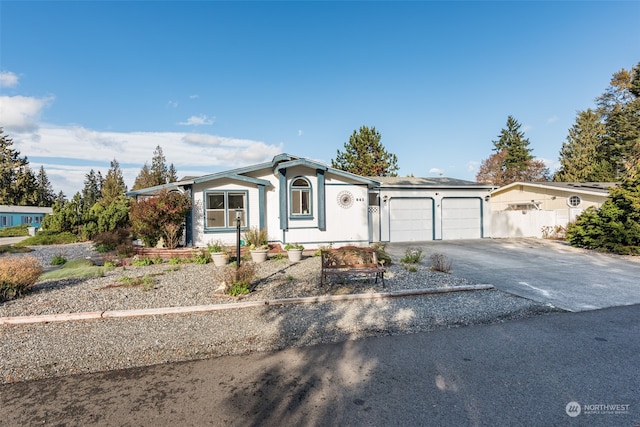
[
  {"x": 411, "y": 219},
  {"x": 461, "y": 218}
]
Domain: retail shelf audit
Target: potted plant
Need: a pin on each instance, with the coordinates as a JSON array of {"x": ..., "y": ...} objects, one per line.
[
  {"x": 218, "y": 253},
  {"x": 294, "y": 250},
  {"x": 257, "y": 241}
]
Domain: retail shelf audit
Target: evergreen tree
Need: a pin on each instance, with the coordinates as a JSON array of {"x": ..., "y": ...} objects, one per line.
[
  {"x": 172, "y": 174},
  {"x": 159, "y": 167},
  {"x": 365, "y": 155},
  {"x": 620, "y": 107},
  {"x": 113, "y": 185},
  {"x": 144, "y": 179},
  {"x": 10, "y": 164},
  {"x": 515, "y": 145},
  {"x": 582, "y": 158},
  {"x": 92, "y": 190},
  {"x": 512, "y": 160},
  {"x": 46, "y": 195},
  {"x": 25, "y": 187},
  {"x": 157, "y": 174}
]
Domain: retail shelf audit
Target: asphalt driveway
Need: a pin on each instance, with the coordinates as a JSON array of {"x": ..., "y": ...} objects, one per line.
[{"x": 547, "y": 271}]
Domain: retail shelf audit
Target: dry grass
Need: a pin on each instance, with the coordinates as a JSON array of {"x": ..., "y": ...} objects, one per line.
[{"x": 17, "y": 275}]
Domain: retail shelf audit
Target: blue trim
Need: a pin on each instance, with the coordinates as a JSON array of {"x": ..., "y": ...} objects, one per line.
[
  {"x": 322, "y": 200},
  {"x": 282, "y": 177},
  {"x": 227, "y": 227},
  {"x": 262, "y": 206}
]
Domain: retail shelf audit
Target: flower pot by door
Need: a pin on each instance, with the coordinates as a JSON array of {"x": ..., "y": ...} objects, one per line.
[
  {"x": 259, "y": 256},
  {"x": 295, "y": 255},
  {"x": 220, "y": 259}
]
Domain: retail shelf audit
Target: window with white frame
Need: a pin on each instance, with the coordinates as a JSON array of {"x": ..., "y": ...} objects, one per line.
[
  {"x": 222, "y": 206},
  {"x": 6, "y": 221},
  {"x": 26, "y": 219},
  {"x": 574, "y": 201},
  {"x": 300, "y": 197}
]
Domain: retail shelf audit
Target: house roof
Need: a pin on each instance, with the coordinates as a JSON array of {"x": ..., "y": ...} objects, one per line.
[
  {"x": 593, "y": 188},
  {"x": 241, "y": 174},
  {"x": 439, "y": 182},
  {"x": 25, "y": 209}
]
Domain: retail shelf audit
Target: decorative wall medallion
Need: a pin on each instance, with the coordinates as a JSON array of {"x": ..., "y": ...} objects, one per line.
[{"x": 345, "y": 199}]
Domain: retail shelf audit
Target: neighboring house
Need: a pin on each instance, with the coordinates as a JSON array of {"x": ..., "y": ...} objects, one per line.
[
  {"x": 524, "y": 209},
  {"x": 297, "y": 200},
  {"x": 17, "y": 215}
]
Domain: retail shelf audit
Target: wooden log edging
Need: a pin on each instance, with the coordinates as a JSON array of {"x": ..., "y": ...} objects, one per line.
[{"x": 114, "y": 314}]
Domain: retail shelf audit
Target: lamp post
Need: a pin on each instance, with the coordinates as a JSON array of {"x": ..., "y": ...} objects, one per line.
[{"x": 238, "y": 222}]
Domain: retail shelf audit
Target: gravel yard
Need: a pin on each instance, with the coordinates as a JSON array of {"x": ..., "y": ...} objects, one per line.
[{"x": 52, "y": 349}]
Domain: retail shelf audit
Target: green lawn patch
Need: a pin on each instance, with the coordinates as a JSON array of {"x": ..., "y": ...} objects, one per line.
[
  {"x": 15, "y": 231},
  {"x": 9, "y": 249},
  {"x": 76, "y": 269},
  {"x": 49, "y": 238}
]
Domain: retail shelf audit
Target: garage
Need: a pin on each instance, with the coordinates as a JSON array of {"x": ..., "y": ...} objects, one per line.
[
  {"x": 461, "y": 218},
  {"x": 411, "y": 219}
]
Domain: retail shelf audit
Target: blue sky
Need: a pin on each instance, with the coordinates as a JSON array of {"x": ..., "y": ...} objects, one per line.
[{"x": 220, "y": 85}]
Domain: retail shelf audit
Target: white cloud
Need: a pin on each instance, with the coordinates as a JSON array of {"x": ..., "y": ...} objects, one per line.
[
  {"x": 436, "y": 171},
  {"x": 198, "y": 120},
  {"x": 70, "y": 152},
  {"x": 300, "y": 132},
  {"x": 552, "y": 119},
  {"x": 172, "y": 104},
  {"x": 21, "y": 113},
  {"x": 194, "y": 96},
  {"x": 473, "y": 166},
  {"x": 8, "y": 79}
]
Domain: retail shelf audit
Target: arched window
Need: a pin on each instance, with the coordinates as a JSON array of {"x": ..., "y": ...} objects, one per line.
[{"x": 300, "y": 197}]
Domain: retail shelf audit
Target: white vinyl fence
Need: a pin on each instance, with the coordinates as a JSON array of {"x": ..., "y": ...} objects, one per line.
[{"x": 528, "y": 223}]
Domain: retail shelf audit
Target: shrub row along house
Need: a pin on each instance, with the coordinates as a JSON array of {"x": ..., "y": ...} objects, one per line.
[{"x": 297, "y": 200}]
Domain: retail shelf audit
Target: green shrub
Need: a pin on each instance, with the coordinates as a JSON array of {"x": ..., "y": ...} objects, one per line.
[
  {"x": 58, "y": 260},
  {"x": 15, "y": 231},
  {"x": 106, "y": 241},
  {"x": 383, "y": 257},
  {"x": 175, "y": 260},
  {"x": 9, "y": 249},
  {"x": 49, "y": 238},
  {"x": 256, "y": 238},
  {"x": 239, "y": 280},
  {"x": 142, "y": 262},
  {"x": 146, "y": 282},
  {"x": 201, "y": 257},
  {"x": 412, "y": 256},
  {"x": 18, "y": 275}
]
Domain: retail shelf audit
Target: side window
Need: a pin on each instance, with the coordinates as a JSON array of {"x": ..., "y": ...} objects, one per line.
[
  {"x": 300, "y": 197},
  {"x": 221, "y": 209}
]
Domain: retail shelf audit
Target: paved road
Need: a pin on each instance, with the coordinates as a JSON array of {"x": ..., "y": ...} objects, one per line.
[
  {"x": 11, "y": 240},
  {"x": 521, "y": 373},
  {"x": 546, "y": 271}
]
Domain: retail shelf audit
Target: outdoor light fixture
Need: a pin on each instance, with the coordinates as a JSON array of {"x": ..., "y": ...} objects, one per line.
[{"x": 238, "y": 222}]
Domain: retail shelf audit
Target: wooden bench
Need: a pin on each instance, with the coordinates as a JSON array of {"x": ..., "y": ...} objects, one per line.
[{"x": 351, "y": 260}]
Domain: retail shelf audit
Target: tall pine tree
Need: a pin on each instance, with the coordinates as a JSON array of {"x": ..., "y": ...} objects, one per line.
[
  {"x": 10, "y": 165},
  {"x": 583, "y": 156},
  {"x": 512, "y": 160},
  {"x": 113, "y": 185},
  {"x": 365, "y": 155},
  {"x": 46, "y": 195}
]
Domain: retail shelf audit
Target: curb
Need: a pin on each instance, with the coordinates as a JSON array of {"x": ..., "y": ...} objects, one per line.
[{"x": 119, "y": 314}]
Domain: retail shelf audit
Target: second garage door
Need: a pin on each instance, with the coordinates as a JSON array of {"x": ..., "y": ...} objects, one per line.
[
  {"x": 411, "y": 219},
  {"x": 461, "y": 218}
]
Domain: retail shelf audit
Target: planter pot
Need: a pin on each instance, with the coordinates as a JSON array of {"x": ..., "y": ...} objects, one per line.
[
  {"x": 259, "y": 255},
  {"x": 295, "y": 255},
  {"x": 220, "y": 259}
]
